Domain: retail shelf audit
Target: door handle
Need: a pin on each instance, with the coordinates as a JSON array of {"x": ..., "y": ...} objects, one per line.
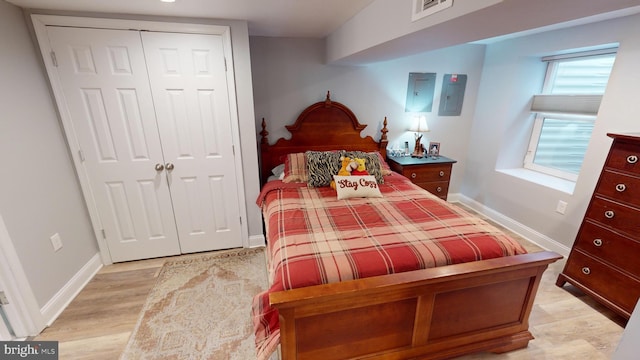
[
  {"x": 159, "y": 167},
  {"x": 169, "y": 166}
]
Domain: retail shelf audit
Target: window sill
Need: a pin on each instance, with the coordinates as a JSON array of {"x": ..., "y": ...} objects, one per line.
[{"x": 549, "y": 181}]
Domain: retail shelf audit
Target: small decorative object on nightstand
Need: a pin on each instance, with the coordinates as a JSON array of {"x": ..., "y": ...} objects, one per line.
[
  {"x": 430, "y": 174},
  {"x": 434, "y": 150},
  {"x": 419, "y": 126}
]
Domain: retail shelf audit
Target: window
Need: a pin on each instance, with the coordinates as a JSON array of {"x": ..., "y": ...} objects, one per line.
[{"x": 566, "y": 111}]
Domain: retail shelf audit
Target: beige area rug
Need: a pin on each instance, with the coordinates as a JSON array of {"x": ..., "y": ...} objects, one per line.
[{"x": 200, "y": 308}]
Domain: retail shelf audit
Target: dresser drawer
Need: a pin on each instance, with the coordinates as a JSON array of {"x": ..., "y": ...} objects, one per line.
[
  {"x": 610, "y": 247},
  {"x": 624, "y": 156},
  {"x": 620, "y": 187},
  {"x": 618, "y": 288},
  {"x": 421, "y": 174},
  {"x": 624, "y": 218}
]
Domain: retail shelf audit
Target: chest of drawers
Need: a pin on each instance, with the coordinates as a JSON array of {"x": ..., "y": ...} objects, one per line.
[
  {"x": 605, "y": 259},
  {"x": 430, "y": 174}
]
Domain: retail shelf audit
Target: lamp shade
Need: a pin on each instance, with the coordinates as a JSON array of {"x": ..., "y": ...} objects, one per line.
[{"x": 419, "y": 124}]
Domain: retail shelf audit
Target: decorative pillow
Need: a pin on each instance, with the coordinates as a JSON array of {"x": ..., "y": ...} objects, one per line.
[
  {"x": 364, "y": 186},
  {"x": 321, "y": 166},
  {"x": 295, "y": 168},
  {"x": 278, "y": 170},
  {"x": 373, "y": 163}
]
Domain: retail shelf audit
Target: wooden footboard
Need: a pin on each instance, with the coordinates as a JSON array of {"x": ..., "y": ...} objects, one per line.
[{"x": 434, "y": 313}]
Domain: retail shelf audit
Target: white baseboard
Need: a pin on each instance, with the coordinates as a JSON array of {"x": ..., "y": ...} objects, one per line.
[
  {"x": 256, "y": 241},
  {"x": 526, "y": 232},
  {"x": 54, "y": 307}
]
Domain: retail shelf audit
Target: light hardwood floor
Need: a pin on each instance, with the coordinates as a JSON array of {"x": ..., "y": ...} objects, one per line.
[{"x": 97, "y": 324}]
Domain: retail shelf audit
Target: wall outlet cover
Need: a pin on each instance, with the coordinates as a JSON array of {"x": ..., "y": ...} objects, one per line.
[
  {"x": 56, "y": 241},
  {"x": 561, "y": 207}
]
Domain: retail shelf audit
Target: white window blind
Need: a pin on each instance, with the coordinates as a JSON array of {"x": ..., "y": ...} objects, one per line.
[
  {"x": 566, "y": 112},
  {"x": 563, "y": 143},
  {"x": 572, "y": 104}
]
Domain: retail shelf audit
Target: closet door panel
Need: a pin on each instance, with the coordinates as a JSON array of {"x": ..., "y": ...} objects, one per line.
[
  {"x": 104, "y": 78},
  {"x": 188, "y": 81}
]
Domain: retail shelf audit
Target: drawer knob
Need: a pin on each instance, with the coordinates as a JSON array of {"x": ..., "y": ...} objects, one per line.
[
  {"x": 597, "y": 242},
  {"x": 632, "y": 159},
  {"x": 441, "y": 173},
  {"x": 621, "y": 187},
  {"x": 609, "y": 214},
  {"x": 439, "y": 189},
  {"x": 586, "y": 270},
  {"x": 414, "y": 175}
]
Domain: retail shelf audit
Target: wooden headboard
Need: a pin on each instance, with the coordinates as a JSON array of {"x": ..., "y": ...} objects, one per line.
[{"x": 325, "y": 125}]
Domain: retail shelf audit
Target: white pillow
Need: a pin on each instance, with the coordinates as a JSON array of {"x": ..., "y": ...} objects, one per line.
[
  {"x": 356, "y": 186},
  {"x": 278, "y": 171}
]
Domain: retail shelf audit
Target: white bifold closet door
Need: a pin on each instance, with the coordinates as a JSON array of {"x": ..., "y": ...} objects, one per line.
[{"x": 151, "y": 114}]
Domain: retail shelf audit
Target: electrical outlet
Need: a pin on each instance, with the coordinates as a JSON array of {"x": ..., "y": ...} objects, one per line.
[
  {"x": 561, "y": 207},
  {"x": 56, "y": 241}
]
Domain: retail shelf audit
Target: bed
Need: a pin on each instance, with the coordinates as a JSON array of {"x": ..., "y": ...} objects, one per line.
[{"x": 398, "y": 276}]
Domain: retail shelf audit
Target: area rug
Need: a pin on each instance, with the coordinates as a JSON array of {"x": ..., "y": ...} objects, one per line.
[{"x": 200, "y": 308}]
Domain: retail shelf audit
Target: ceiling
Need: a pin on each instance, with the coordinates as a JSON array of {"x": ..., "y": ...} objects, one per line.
[
  {"x": 282, "y": 18},
  {"x": 319, "y": 18}
]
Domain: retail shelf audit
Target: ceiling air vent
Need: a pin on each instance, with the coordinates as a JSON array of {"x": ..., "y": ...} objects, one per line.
[{"x": 422, "y": 8}]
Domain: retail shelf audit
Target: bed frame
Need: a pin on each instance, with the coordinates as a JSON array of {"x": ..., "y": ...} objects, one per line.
[
  {"x": 435, "y": 313},
  {"x": 319, "y": 127}
]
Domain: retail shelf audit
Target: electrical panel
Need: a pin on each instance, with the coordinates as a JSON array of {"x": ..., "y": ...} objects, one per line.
[
  {"x": 452, "y": 95},
  {"x": 420, "y": 92}
]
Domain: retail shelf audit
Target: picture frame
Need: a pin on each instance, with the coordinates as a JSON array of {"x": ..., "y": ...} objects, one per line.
[{"x": 434, "y": 149}]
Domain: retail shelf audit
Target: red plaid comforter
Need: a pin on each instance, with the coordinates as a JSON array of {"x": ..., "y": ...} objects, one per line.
[{"x": 313, "y": 238}]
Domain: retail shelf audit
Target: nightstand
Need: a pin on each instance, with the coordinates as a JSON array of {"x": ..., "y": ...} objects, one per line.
[{"x": 430, "y": 174}]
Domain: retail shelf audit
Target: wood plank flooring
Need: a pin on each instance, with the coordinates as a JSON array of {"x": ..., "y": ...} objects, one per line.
[{"x": 97, "y": 324}]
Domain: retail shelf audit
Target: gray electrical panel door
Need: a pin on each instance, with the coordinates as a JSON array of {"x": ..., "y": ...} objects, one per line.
[
  {"x": 420, "y": 92},
  {"x": 452, "y": 95}
]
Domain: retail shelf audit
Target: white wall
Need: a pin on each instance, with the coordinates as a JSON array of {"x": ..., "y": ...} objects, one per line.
[
  {"x": 39, "y": 193},
  {"x": 512, "y": 72},
  {"x": 290, "y": 74},
  {"x": 628, "y": 347}
]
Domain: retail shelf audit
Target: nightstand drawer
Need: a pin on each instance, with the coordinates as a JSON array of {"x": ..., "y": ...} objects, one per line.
[
  {"x": 426, "y": 174},
  {"x": 610, "y": 247},
  {"x": 622, "y": 290},
  {"x": 438, "y": 188},
  {"x": 431, "y": 174}
]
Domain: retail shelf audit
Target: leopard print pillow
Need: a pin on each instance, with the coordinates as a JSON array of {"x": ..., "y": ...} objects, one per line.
[{"x": 321, "y": 166}]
